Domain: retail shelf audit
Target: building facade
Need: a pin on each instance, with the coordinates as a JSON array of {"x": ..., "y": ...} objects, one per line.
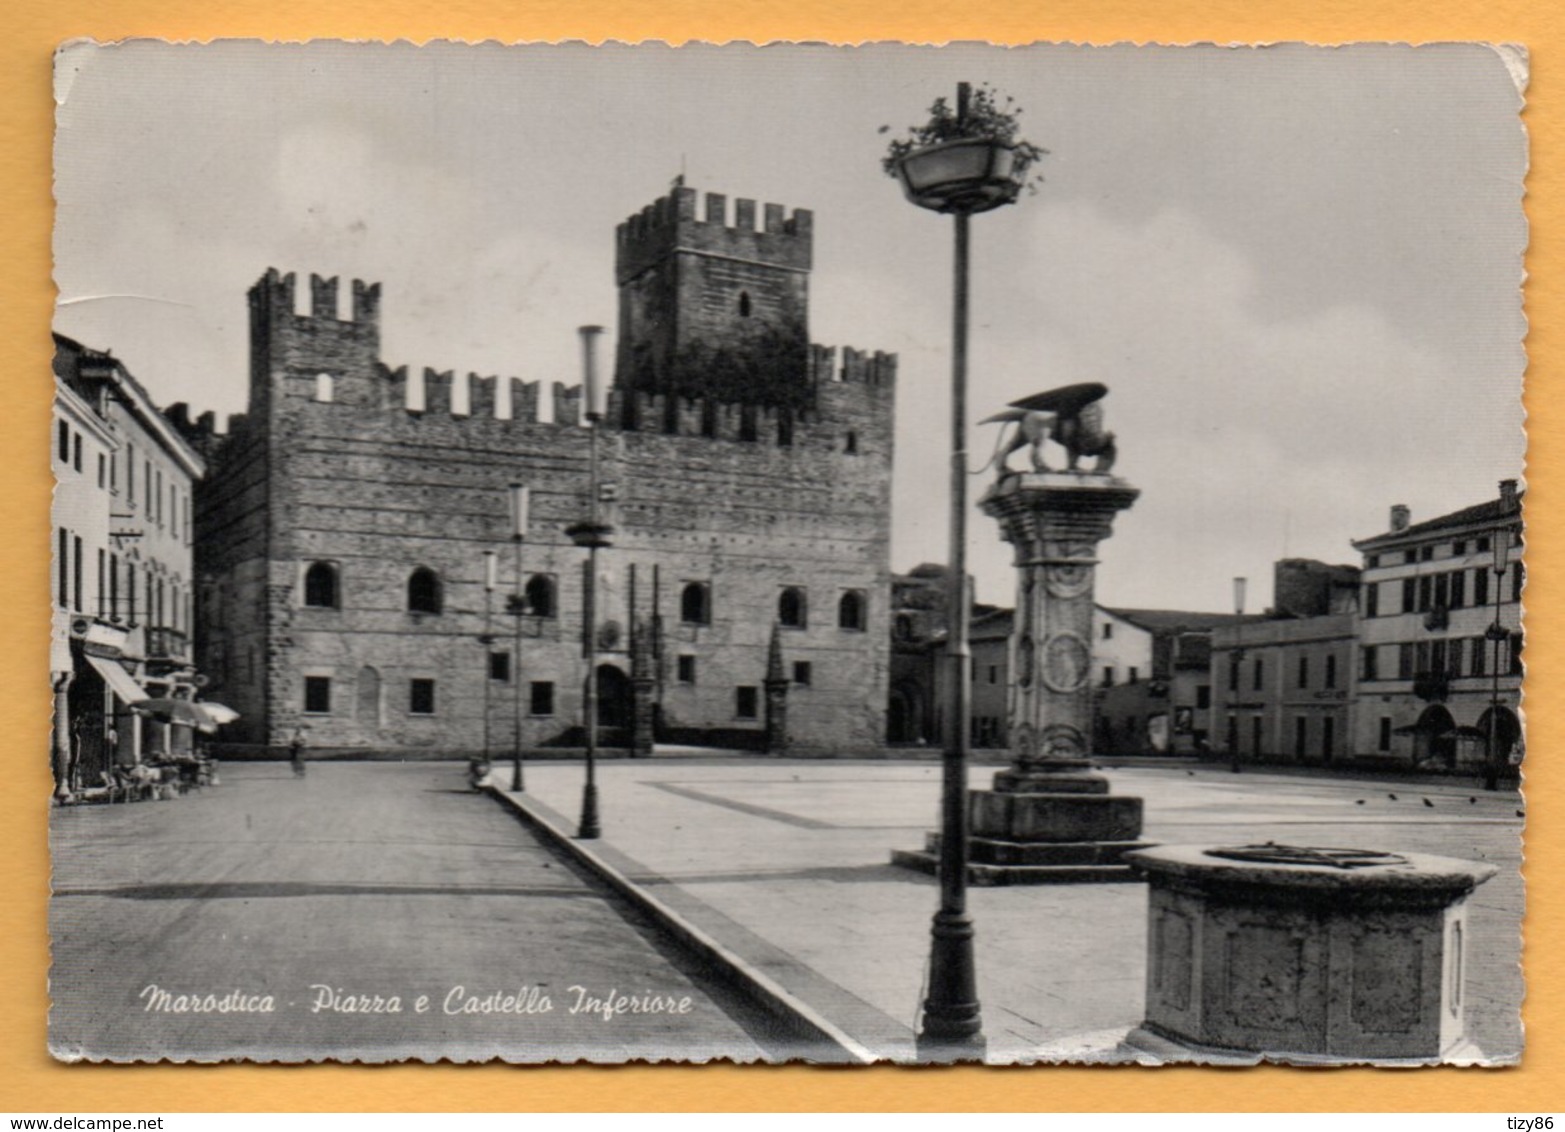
[
  {"x": 1440, "y": 669},
  {"x": 344, "y": 529},
  {"x": 123, "y": 578},
  {"x": 1282, "y": 688}
]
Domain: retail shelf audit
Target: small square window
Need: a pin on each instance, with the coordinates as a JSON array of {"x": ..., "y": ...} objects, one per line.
[
  {"x": 746, "y": 702},
  {"x": 317, "y": 695},
  {"x": 801, "y": 672},
  {"x": 687, "y": 669},
  {"x": 542, "y": 697},
  {"x": 500, "y": 667},
  {"x": 421, "y": 697}
]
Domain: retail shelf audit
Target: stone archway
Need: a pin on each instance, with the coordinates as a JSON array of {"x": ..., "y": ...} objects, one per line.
[
  {"x": 1434, "y": 738},
  {"x": 1506, "y": 749}
]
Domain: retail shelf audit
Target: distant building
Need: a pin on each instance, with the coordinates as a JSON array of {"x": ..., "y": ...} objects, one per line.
[
  {"x": 1155, "y": 689},
  {"x": 1151, "y": 672},
  {"x": 122, "y": 582},
  {"x": 1282, "y": 689},
  {"x": 1438, "y": 686}
]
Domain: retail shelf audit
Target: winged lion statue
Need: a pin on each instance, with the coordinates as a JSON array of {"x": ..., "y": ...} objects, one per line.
[{"x": 1071, "y": 416}]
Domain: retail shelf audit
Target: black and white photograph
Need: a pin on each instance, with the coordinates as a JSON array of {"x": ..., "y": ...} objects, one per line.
[{"x": 912, "y": 554}]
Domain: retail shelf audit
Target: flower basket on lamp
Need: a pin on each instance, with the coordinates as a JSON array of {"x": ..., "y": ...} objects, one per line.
[{"x": 968, "y": 175}]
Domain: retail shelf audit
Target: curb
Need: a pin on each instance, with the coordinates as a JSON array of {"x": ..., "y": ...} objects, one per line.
[{"x": 751, "y": 982}]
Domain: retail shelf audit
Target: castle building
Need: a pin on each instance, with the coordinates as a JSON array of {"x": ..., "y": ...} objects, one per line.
[{"x": 344, "y": 526}]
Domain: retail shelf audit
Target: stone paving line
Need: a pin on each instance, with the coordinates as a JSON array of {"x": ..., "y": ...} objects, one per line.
[{"x": 786, "y": 865}]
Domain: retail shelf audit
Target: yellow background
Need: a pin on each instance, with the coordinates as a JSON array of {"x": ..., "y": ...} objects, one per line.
[{"x": 31, "y": 1082}]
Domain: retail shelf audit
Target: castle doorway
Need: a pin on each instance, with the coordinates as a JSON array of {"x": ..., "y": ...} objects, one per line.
[
  {"x": 904, "y": 719},
  {"x": 615, "y": 707}
]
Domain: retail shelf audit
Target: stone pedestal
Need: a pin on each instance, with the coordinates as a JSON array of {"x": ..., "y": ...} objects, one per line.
[
  {"x": 1305, "y": 955},
  {"x": 1049, "y": 819}
]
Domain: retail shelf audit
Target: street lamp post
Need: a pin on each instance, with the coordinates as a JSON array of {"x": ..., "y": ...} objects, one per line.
[
  {"x": 592, "y": 534},
  {"x": 517, "y": 605},
  {"x": 963, "y": 176},
  {"x": 488, "y": 639},
  {"x": 1502, "y": 549},
  {"x": 1237, "y": 679}
]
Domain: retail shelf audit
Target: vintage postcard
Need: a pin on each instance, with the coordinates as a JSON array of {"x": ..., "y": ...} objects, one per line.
[{"x": 893, "y": 553}]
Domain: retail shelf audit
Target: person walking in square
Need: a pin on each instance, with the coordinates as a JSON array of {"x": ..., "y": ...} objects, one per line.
[{"x": 296, "y": 752}]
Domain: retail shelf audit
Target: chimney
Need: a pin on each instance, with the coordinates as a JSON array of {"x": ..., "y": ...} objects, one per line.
[
  {"x": 1401, "y": 516},
  {"x": 1508, "y": 494}
]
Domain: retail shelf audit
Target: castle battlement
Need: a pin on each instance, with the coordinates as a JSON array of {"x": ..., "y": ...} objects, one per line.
[
  {"x": 859, "y": 367},
  {"x": 317, "y": 362},
  {"x": 670, "y": 225},
  {"x": 276, "y": 294}
]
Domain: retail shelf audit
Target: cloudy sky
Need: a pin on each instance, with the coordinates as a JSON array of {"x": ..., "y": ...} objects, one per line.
[{"x": 1297, "y": 269}]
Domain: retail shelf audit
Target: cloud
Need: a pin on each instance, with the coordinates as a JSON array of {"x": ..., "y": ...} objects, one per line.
[{"x": 1251, "y": 435}]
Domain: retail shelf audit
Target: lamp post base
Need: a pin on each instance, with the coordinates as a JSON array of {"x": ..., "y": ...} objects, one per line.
[
  {"x": 952, "y": 1025},
  {"x": 588, "y": 829},
  {"x": 516, "y": 776}
]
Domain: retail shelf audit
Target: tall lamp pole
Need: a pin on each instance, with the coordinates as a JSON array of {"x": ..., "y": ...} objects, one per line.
[
  {"x": 1237, "y": 680},
  {"x": 490, "y": 576},
  {"x": 1502, "y": 551},
  {"x": 962, "y": 176},
  {"x": 517, "y": 605},
  {"x": 592, "y": 535}
]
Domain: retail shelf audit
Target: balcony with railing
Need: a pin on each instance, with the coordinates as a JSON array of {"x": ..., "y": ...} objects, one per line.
[{"x": 167, "y": 645}]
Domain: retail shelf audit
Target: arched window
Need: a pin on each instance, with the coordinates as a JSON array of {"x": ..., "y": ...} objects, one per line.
[
  {"x": 323, "y": 387},
  {"x": 320, "y": 586},
  {"x": 540, "y": 596},
  {"x": 744, "y": 304},
  {"x": 850, "y": 610},
  {"x": 423, "y": 591},
  {"x": 850, "y": 443},
  {"x": 904, "y": 627},
  {"x": 792, "y": 609},
  {"x": 695, "y": 604}
]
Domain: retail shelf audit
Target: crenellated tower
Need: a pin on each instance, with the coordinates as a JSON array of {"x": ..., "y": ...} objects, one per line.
[
  {"x": 327, "y": 354},
  {"x": 712, "y": 305}
]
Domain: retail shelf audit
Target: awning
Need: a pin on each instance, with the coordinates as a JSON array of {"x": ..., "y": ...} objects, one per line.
[
  {"x": 115, "y": 676},
  {"x": 1423, "y": 727},
  {"x": 177, "y": 711},
  {"x": 218, "y": 713}
]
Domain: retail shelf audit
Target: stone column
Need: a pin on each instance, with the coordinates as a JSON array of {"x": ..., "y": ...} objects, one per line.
[
  {"x": 61, "y": 745},
  {"x": 642, "y": 682},
  {"x": 776, "y": 684},
  {"x": 1049, "y": 818},
  {"x": 1054, "y": 522}
]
